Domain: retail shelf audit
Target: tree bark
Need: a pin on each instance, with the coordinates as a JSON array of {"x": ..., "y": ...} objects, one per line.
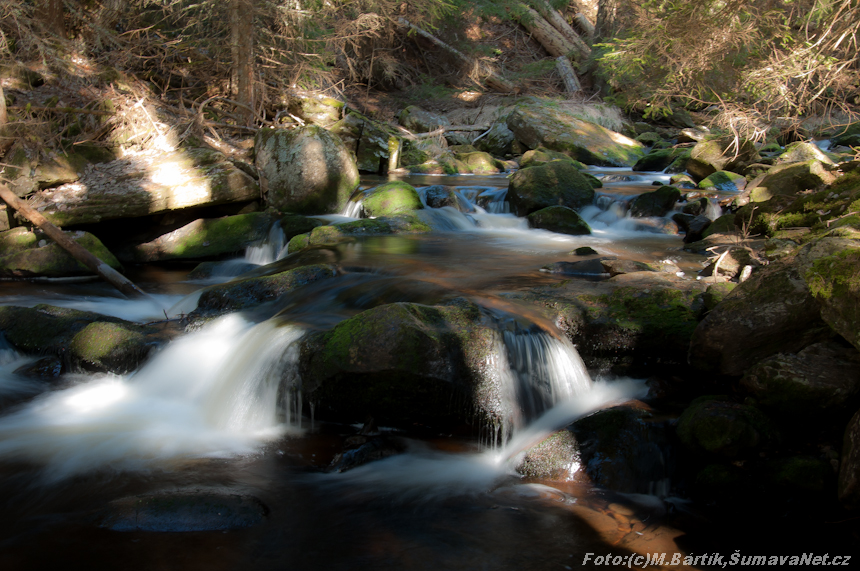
[
  {"x": 80, "y": 253},
  {"x": 242, "y": 48},
  {"x": 556, "y": 20},
  {"x": 493, "y": 79},
  {"x": 585, "y": 25},
  {"x": 568, "y": 76},
  {"x": 5, "y": 140},
  {"x": 551, "y": 39}
]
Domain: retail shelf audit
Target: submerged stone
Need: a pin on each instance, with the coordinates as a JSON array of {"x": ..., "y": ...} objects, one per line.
[{"x": 185, "y": 512}]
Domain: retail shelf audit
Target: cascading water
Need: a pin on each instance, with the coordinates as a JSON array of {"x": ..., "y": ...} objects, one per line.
[
  {"x": 269, "y": 249},
  {"x": 211, "y": 393}
]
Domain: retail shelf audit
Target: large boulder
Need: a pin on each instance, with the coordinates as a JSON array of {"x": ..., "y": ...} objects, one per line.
[
  {"x": 560, "y": 219},
  {"x": 672, "y": 160},
  {"x": 28, "y": 254},
  {"x": 205, "y": 238},
  {"x": 305, "y": 171},
  {"x": 368, "y": 139},
  {"x": 541, "y": 156},
  {"x": 832, "y": 272},
  {"x": 656, "y": 203},
  {"x": 314, "y": 108},
  {"x": 137, "y": 186},
  {"x": 82, "y": 339},
  {"x": 543, "y": 124},
  {"x": 558, "y": 183},
  {"x": 418, "y": 120},
  {"x": 480, "y": 162},
  {"x": 802, "y": 152},
  {"x": 404, "y": 363},
  {"x": 713, "y": 155},
  {"x": 498, "y": 141},
  {"x": 821, "y": 379},
  {"x": 772, "y": 312},
  {"x": 790, "y": 180},
  {"x": 391, "y": 198}
]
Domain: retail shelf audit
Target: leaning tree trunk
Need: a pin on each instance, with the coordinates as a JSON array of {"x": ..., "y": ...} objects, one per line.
[
  {"x": 5, "y": 140},
  {"x": 551, "y": 39},
  {"x": 50, "y": 12},
  {"x": 556, "y": 20},
  {"x": 242, "y": 49}
]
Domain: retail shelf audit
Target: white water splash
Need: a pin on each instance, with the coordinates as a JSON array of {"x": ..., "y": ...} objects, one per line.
[
  {"x": 270, "y": 249},
  {"x": 192, "y": 400}
]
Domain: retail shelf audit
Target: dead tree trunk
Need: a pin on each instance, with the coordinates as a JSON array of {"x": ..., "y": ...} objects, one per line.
[
  {"x": 556, "y": 20},
  {"x": 585, "y": 26},
  {"x": 80, "y": 253},
  {"x": 5, "y": 140},
  {"x": 50, "y": 12},
  {"x": 242, "y": 49},
  {"x": 493, "y": 79},
  {"x": 568, "y": 76}
]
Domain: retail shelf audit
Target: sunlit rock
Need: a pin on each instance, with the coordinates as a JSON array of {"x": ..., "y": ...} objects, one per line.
[
  {"x": 789, "y": 180},
  {"x": 541, "y": 156},
  {"x": 305, "y": 171},
  {"x": 418, "y": 120},
  {"x": 391, "y": 198},
  {"x": 723, "y": 181},
  {"x": 28, "y": 254},
  {"x": 545, "y": 124},
  {"x": 802, "y": 152},
  {"x": 713, "y": 155},
  {"x": 480, "y": 162}
]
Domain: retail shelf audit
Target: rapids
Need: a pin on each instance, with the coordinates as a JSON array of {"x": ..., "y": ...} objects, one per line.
[{"x": 218, "y": 411}]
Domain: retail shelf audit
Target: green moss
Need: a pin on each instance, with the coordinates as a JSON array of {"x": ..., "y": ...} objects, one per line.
[
  {"x": 837, "y": 275},
  {"x": 391, "y": 198},
  {"x": 298, "y": 242},
  {"x": 109, "y": 347}
]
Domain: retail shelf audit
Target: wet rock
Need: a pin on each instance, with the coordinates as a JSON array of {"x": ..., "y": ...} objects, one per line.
[
  {"x": 723, "y": 181},
  {"x": 583, "y": 268},
  {"x": 480, "y": 162},
  {"x": 696, "y": 206},
  {"x": 772, "y": 312},
  {"x": 556, "y": 458},
  {"x": 656, "y": 203},
  {"x": 584, "y": 251},
  {"x": 366, "y": 450},
  {"x": 409, "y": 223},
  {"x": 250, "y": 292},
  {"x": 618, "y": 267},
  {"x": 558, "y": 183},
  {"x": 205, "y": 238},
  {"x": 185, "y": 512},
  {"x": 693, "y": 227},
  {"x": 682, "y": 181},
  {"x": 305, "y": 171},
  {"x": 849, "y": 470},
  {"x": 539, "y": 124},
  {"x": 140, "y": 185},
  {"x": 724, "y": 428},
  {"x": 46, "y": 368},
  {"x": 710, "y": 156},
  {"x": 626, "y": 448},
  {"x": 418, "y": 120},
  {"x": 404, "y": 363},
  {"x": 661, "y": 159},
  {"x": 438, "y": 196},
  {"x": 389, "y": 199},
  {"x": 559, "y": 219},
  {"x": 821, "y": 379},
  {"x": 83, "y": 339},
  {"x": 29, "y": 254}
]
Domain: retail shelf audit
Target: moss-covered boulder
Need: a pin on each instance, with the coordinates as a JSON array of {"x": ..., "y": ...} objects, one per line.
[
  {"x": 206, "y": 238},
  {"x": 661, "y": 159},
  {"x": 560, "y": 219},
  {"x": 725, "y": 224},
  {"x": 772, "y": 312},
  {"x": 656, "y": 203},
  {"x": 723, "y": 181},
  {"x": 391, "y": 198},
  {"x": 802, "y": 152},
  {"x": 821, "y": 379},
  {"x": 370, "y": 141},
  {"x": 418, "y": 120},
  {"x": 541, "y": 156},
  {"x": 721, "y": 427},
  {"x": 314, "y": 108},
  {"x": 848, "y": 136},
  {"x": 306, "y": 170},
  {"x": 404, "y": 363},
  {"x": 439, "y": 196},
  {"x": 834, "y": 280},
  {"x": 538, "y": 123},
  {"x": 790, "y": 179},
  {"x": 480, "y": 162},
  {"x": 723, "y": 154},
  {"x": 85, "y": 340},
  {"x": 619, "y": 267},
  {"x": 716, "y": 293},
  {"x": 25, "y": 254},
  {"x": 558, "y": 183},
  {"x": 408, "y": 223},
  {"x": 251, "y": 292}
]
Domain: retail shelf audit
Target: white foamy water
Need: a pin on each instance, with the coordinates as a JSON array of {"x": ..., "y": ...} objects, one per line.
[
  {"x": 424, "y": 475},
  {"x": 212, "y": 393}
]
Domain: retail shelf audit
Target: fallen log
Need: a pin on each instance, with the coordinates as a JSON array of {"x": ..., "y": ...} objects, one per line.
[
  {"x": 585, "y": 25},
  {"x": 551, "y": 39},
  {"x": 441, "y": 130},
  {"x": 80, "y": 253},
  {"x": 558, "y": 22},
  {"x": 568, "y": 76},
  {"x": 493, "y": 79}
]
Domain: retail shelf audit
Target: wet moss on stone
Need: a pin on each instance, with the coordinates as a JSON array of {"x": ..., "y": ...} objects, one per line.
[{"x": 391, "y": 198}]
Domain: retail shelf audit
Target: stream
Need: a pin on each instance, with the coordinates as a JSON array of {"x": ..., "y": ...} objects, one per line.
[{"x": 92, "y": 468}]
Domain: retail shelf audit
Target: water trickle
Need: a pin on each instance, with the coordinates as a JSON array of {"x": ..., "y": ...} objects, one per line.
[
  {"x": 211, "y": 393},
  {"x": 271, "y": 248}
]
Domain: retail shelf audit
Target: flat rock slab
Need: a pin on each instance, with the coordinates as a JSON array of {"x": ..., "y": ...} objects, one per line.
[{"x": 185, "y": 511}]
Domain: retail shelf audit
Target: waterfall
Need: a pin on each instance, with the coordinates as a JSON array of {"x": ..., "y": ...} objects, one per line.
[
  {"x": 270, "y": 249},
  {"x": 211, "y": 393}
]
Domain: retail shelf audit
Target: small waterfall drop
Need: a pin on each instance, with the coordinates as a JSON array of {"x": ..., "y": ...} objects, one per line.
[
  {"x": 211, "y": 393},
  {"x": 270, "y": 249}
]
